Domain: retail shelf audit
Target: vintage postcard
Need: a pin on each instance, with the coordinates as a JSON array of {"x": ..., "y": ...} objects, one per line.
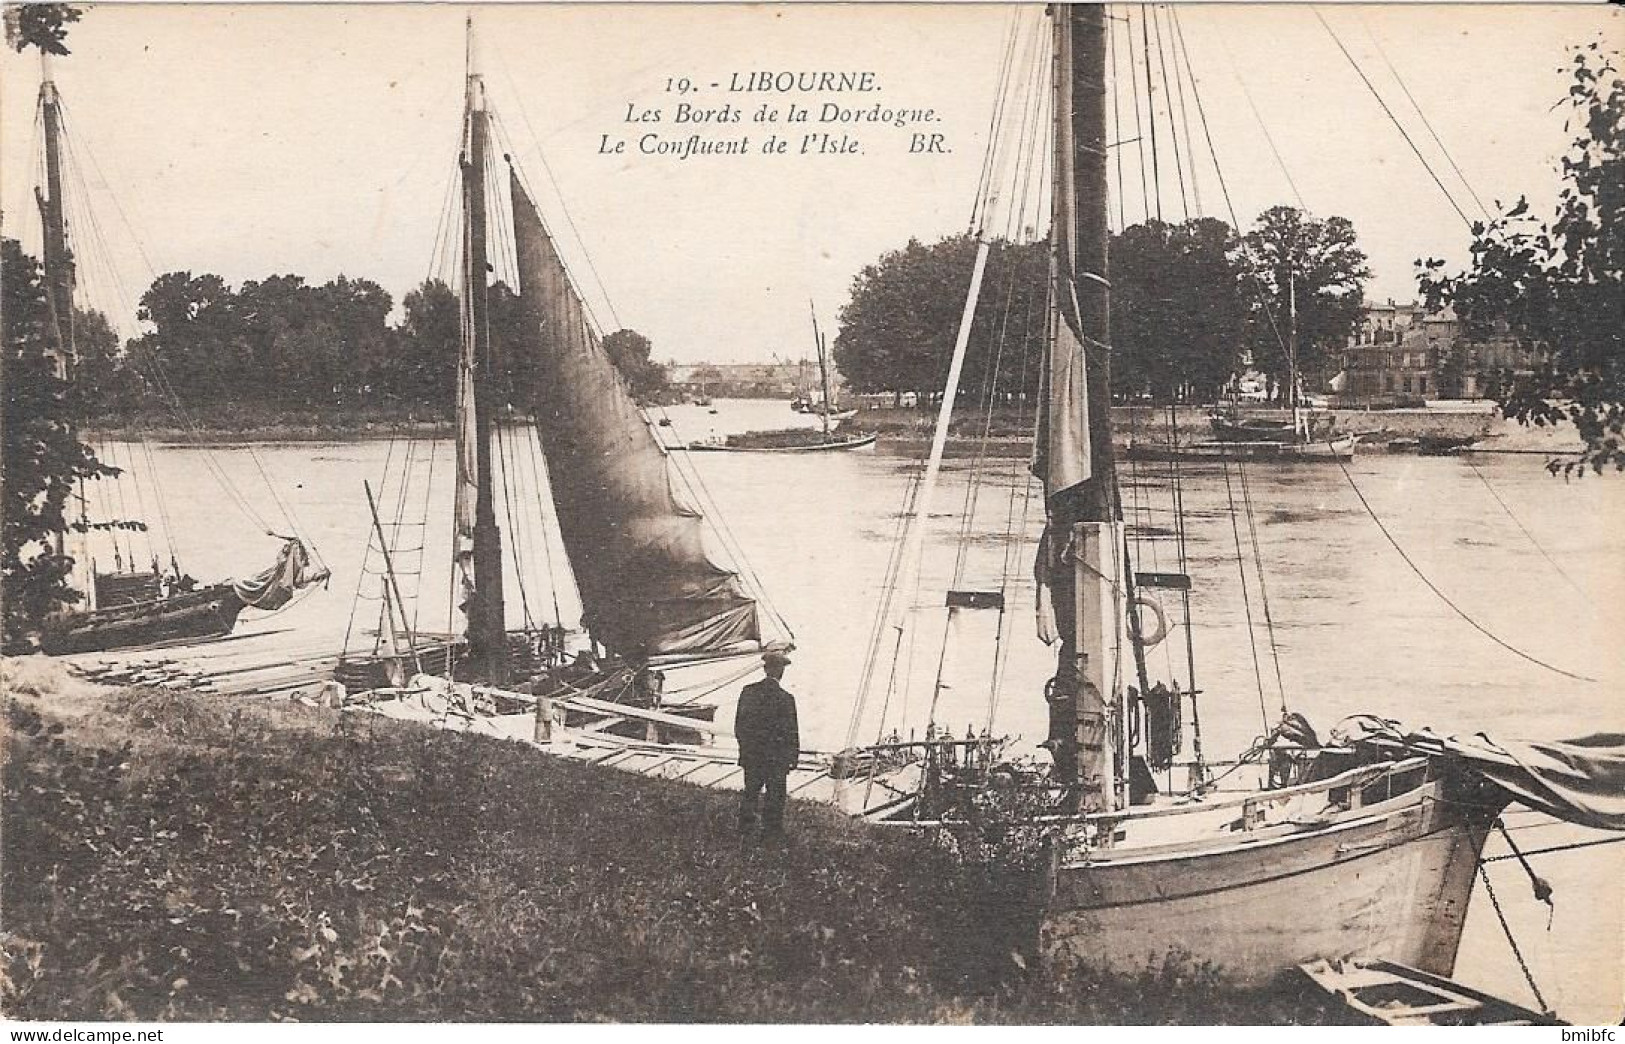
[{"x": 813, "y": 513}]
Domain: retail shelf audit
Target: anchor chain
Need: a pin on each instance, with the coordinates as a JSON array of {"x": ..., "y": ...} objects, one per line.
[
  {"x": 1506, "y": 928},
  {"x": 1538, "y": 884}
]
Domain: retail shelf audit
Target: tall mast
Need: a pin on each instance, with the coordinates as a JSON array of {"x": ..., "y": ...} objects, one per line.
[
  {"x": 1083, "y": 538},
  {"x": 487, "y": 636},
  {"x": 1292, "y": 343},
  {"x": 59, "y": 267},
  {"x": 823, "y": 367}
]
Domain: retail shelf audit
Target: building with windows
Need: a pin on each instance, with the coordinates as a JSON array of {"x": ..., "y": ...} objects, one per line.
[
  {"x": 1401, "y": 355},
  {"x": 1391, "y": 356}
]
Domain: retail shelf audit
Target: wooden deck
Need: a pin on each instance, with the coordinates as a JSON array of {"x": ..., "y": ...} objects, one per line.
[{"x": 712, "y": 766}]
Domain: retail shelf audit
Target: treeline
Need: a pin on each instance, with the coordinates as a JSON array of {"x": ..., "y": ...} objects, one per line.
[
  {"x": 283, "y": 343},
  {"x": 1193, "y": 305}
]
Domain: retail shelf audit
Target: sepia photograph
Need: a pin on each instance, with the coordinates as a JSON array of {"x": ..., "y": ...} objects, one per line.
[{"x": 812, "y": 513}]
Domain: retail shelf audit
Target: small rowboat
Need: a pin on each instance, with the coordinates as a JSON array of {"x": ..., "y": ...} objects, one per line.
[{"x": 1392, "y": 994}]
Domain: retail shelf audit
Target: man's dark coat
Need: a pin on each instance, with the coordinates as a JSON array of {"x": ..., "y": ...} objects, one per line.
[{"x": 766, "y": 728}]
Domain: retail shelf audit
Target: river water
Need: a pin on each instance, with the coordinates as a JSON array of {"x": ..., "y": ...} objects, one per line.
[{"x": 1536, "y": 562}]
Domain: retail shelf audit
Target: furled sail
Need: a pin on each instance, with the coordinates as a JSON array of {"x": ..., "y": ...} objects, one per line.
[
  {"x": 647, "y": 586},
  {"x": 1061, "y": 452},
  {"x": 276, "y": 586},
  {"x": 467, "y": 490}
]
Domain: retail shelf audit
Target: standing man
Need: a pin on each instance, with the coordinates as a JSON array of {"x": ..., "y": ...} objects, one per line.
[{"x": 769, "y": 745}]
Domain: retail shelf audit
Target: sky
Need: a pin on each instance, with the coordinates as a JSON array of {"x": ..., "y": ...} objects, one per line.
[{"x": 319, "y": 140}]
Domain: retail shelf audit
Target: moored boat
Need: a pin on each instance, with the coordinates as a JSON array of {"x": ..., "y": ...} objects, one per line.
[
  {"x": 786, "y": 440},
  {"x": 126, "y": 606},
  {"x": 1366, "y": 846},
  {"x": 655, "y": 595}
]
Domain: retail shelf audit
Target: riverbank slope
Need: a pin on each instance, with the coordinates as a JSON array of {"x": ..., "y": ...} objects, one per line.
[{"x": 179, "y": 857}]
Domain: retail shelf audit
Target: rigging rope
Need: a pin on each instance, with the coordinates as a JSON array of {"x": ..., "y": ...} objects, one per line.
[
  {"x": 77, "y": 172},
  {"x": 1506, "y": 928},
  {"x": 1139, "y": 128},
  {"x": 1525, "y": 530},
  {"x": 1246, "y": 599},
  {"x": 1151, "y": 107},
  {"x": 1375, "y": 43},
  {"x": 1174, "y": 44},
  {"x": 1263, "y": 591},
  {"x": 1431, "y": 586},
  {"x": 1403, "y": 133},
  {"x": 1262, "y": 126}
]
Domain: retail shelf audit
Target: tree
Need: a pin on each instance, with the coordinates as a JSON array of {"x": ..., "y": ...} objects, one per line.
[
  {"x": 1179, "y": 309},
  {"x": 645, "y": 378},
  {"x": 44, "y": 26},
  {"x": 897, "y": 329},
  {"x": 1559, "y": 288},
  {"x": 197, "y": 348},
  {"x": 423, "y": 368},
  {"x": 1319, "y": 266},
  {"x": 99, "y": 377},
  {"x": 42, "y": 458}
]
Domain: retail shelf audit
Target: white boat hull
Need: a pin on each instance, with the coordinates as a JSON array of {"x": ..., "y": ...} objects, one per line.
[{"x": 1390, "y": 881}]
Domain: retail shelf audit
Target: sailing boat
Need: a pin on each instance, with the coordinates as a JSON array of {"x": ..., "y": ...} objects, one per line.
[
  {"x": 129, "y": 606},
  {"x": 800, "y": 440},
  {"x": 652, "y": 596},
  {"x": 1364, "y": 847},
  {"x": 1301, "y": 437}
]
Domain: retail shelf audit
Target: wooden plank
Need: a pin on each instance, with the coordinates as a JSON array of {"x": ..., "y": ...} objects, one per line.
[{"x": 644, "y": 714}]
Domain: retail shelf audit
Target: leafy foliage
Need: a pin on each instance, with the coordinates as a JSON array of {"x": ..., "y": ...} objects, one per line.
[
  {"x": 1559, "y": 287},
  {"x": 210, "y": 343},
  {"x": 1179, "y": 313},
  {"x": 44, "y": 26},
  {"x": 328, "y": 346},
  {"x": 1319, "y": 267},
  {"x": 1181, "y": 310},
  {"x": 629, "y": 350},
  {"x": 897, "y": 329},
  {"x": 43, "y": 460}
]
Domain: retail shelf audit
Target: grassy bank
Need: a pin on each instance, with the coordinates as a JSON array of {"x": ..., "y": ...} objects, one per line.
[
  {"x": 1152, "y": 422},
  {"x": 240, "y": 423},
  {"x": 258, "y": 423},
  {"x": 171, "y": 857}
]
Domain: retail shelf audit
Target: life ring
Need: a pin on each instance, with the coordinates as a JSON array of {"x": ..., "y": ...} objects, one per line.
[{"x": 1145, "y": 600}]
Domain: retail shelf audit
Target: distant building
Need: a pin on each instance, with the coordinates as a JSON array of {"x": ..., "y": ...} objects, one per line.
[
  {"x": 1401, "y": 355},
  {"x": 775, "y": 380},
  {"x": 1390, "y": 358}
]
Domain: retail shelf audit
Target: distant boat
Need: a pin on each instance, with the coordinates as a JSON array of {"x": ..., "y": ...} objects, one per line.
[
  {"x": 787, "y": 440},
  {"x": 1285, "y": 449},
  {"x": 1249, "y": 429}
]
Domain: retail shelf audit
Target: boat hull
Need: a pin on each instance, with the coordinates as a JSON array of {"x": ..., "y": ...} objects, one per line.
[
  {"x": 208, "y": 613},
  {"x": 1254, "y": 430},
  {"x": 1338, "y": 449},
  {"x": 834, "y": 445},
  {"x": 1391, "y": 884}
]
